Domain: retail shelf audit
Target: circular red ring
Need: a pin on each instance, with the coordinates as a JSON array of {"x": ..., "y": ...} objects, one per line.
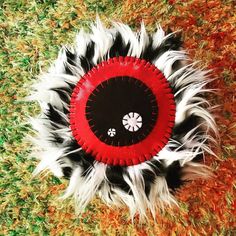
[{"x": 158, "y": 137}]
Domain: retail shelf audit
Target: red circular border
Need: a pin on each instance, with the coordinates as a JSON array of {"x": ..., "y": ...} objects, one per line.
[{"x": 161, "y": 132}]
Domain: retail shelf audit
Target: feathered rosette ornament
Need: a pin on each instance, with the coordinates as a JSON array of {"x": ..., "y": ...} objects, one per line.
[{"x": 123, "y": 115}]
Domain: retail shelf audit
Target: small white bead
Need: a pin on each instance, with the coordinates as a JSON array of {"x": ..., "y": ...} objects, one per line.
[{"x": 111, "y": 132}]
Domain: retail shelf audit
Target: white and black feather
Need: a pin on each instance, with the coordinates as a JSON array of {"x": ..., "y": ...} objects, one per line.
[{"x": 149, "y": 185}]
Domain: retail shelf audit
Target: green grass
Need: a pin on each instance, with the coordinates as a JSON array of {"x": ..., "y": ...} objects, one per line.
[{"x": 31, "y": 33}]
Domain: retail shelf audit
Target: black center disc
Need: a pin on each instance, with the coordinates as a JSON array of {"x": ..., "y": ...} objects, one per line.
[{"x": 115, "y": 100}]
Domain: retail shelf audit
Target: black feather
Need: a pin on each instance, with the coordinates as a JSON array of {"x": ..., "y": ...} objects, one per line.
[
  {"x": 173, "y": 42},
  {"x": 173, "y": 175},
  {"x": 71, "y": 60},
  {"x": 119, "y": 48},
  {"x": 86, "y": 61},
  {"x": 55, "y": 118},
  {"x": 81, "y": 158},
  {"x": 67, "y": 171},
  {"x": 115, "y": 176}
]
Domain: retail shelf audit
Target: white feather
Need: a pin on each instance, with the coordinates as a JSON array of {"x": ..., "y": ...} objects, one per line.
[
  {"x": 167, "y": 59},
  {"x": 103, "y": 41},
  {"x": 88, "y": 188},
  {"x": 49, "y": 161},
  {"x": 158, "y": 37}
]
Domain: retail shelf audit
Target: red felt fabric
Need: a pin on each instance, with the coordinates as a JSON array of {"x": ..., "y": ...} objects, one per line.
[{"x": 158, "y": 137}]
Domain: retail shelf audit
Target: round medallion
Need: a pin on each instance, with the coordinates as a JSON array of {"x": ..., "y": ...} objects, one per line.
[{"x": 122, "y": 111}]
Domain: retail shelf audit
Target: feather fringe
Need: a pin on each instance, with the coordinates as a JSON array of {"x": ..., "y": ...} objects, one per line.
[{"x": 58, "y": 150}]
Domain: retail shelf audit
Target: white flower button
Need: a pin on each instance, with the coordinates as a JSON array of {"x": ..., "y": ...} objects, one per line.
[{"x": 132, "y": 121}]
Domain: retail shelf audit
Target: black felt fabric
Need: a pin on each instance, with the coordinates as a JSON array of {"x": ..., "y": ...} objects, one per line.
[{"x": 112, "y": 100}]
